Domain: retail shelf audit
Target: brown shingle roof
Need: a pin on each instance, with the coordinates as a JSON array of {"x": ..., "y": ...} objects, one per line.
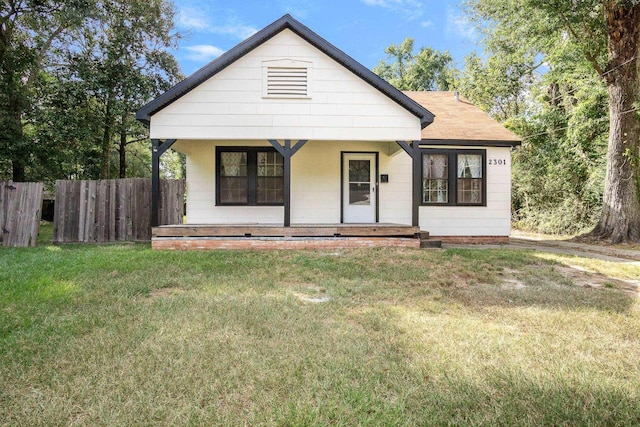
[{"x": 459, "y": 120}]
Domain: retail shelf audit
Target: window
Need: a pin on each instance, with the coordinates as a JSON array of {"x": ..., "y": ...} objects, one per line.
[
  {"x": 453, "y": 177},
  {"x": 249, "y": 176}
]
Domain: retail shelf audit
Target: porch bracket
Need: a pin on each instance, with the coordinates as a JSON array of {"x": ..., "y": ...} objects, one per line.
[
  {"x": 158, "y": 148},
  {"x": 287, "y": 151},
  {"x": 277, "y": 146},
  {"x": 413, "y": 150}
]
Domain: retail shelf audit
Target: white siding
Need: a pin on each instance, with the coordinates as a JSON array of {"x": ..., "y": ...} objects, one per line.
[
  {"x": 230, "y": 105},
  {"x": 491, "y": 220},
  {"x": 315, "y": 192},
  {"x": 315, "y": 185}
]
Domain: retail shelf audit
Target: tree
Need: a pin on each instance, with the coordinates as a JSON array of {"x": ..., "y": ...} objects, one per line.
[
  {"x": 607, "y": 35},
  {"x": 29, "y": 32},
  {"x": 123, "y": 62},
  {"x": 498, "y": 85},
  {"x": 429, "y": 69},
  {"x": 72, "y": 75}
]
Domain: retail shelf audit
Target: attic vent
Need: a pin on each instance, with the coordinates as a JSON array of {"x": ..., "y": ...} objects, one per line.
[
  {"x": 290, "y": 81},
  {"x": 286, "y": 79}
]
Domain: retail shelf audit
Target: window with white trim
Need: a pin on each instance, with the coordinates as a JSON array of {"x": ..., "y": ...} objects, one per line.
[{"x": 453, "y": 177}]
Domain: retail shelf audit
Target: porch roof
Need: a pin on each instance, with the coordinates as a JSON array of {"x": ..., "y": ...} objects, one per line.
[{"x": 460, "y": 122}]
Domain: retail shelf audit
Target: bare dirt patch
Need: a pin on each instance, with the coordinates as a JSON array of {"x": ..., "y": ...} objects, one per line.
[
  {"x": 165, "y": 292},
  {"x": 312, "y": 293},
  {"x": 582, "y": 277},
  {"x": 512, "y": 283}
]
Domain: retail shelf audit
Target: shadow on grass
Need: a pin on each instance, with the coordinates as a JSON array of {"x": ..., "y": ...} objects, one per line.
[{"x": 427, "y": 375}]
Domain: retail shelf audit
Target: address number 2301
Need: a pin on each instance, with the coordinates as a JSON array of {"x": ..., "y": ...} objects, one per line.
[{"x": 497, "y": 162}]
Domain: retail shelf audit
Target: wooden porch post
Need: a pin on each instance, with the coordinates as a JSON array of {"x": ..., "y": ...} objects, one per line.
[
  {"x": 157, "y": 149},
  {"x": 287, "y": 151},
  {"x": 413, "y": 151},
  {"x": 287, "y": 182}
]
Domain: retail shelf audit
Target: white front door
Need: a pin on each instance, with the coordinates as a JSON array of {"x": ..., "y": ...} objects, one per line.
[{"x": 359, "y": 188}]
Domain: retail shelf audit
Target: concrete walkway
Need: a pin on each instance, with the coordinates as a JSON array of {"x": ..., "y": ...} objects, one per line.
[{"x": 606, "y": 253}]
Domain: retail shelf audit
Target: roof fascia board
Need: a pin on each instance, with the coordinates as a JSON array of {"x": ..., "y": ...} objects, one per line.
[{"x": 471, "y": 142}]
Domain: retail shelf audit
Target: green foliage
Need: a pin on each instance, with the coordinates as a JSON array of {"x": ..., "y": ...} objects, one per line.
[
  {"x": 73, "y": 75},
  {"x": 558, "y": 172},
  {"x": 498, "y": 85},
  {"x": 31, "y": 32},
  {"x": 541, "y": 78},
  {"x": 429, "y": 69}
]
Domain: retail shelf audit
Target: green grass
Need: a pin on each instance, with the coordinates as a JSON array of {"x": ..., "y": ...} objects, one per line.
[{"x": 122, "y": 335}]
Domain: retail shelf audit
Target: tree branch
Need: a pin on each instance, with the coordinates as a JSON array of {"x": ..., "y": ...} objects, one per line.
[
  {"x": 41, "y": 54},
  {"x": 589, "y": 56}
]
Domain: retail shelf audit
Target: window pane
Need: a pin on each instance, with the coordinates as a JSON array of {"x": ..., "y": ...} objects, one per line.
[
  {"x": 435, "y": 182},
  {"x": 270, "y": 190},
  {"x": 359, "y": 193},
  {"x": 435, "y": 166},
  {"x": 470, "y": 190},
  {"x": 469, "y": 180},
  {"x": 359, "y": 170},
  {"x": 233, "y": 164},
  {"x": 233, "y": 190},
  {"x": 270, "y": 180},
  {"x": 469, "y": 166},
  {"x": 435, "y": 191},
  {"x": 270, "y": 164}
]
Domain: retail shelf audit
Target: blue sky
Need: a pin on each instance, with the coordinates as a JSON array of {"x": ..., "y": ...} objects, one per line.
[{"x": 361, "y": 28}]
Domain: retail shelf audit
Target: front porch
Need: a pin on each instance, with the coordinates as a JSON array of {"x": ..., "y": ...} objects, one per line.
[{"x": 277, "y": 236}]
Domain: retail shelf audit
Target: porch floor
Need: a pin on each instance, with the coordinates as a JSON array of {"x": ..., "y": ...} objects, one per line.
[{"x": 278, "y": 230}]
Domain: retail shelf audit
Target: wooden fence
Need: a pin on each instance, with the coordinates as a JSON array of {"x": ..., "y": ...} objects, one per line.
[
  {"x": 113, "y": 210},
  {"x": 20, "y": 210}
]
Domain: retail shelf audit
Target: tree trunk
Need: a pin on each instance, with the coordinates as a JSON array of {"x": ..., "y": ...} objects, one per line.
[
  {"x": 18, "y": 171},
  {"x": 19, "y": 152},
  {"x": 620, "y": 219},
  {"x": 106, "y": 139},
  {"x": 122, "y": 151}
]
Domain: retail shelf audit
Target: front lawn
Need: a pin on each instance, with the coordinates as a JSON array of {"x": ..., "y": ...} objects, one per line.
[{"x": 121, "y": 335}]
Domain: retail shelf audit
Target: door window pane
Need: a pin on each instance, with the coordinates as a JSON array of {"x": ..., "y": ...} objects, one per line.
[
  {"x": 359, "y": 170},
  {"x": 359, "y": 193},
  {"x": 359, "y": 182}
]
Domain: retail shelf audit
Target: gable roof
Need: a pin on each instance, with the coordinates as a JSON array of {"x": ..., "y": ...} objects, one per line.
[
  {"x": 460, "y": 121},
  {"x": 286, "y": 22}
]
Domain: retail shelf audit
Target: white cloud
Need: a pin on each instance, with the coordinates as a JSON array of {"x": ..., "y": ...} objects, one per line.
[
  {"x": 298, "y": 9},
  {"x": 240, "y": 31},
  {"x": 459, "y": 25},
  {"x": 198, "y": 20},
  {"x": 192, "y": 19},
  {"x": 203, "y": 52},
  {"x": 410, "y": 9},
  {"x": 426, "y": 24}
]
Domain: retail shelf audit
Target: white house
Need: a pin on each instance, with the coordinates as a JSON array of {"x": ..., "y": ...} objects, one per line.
[{"x": 288, "y": 137}]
